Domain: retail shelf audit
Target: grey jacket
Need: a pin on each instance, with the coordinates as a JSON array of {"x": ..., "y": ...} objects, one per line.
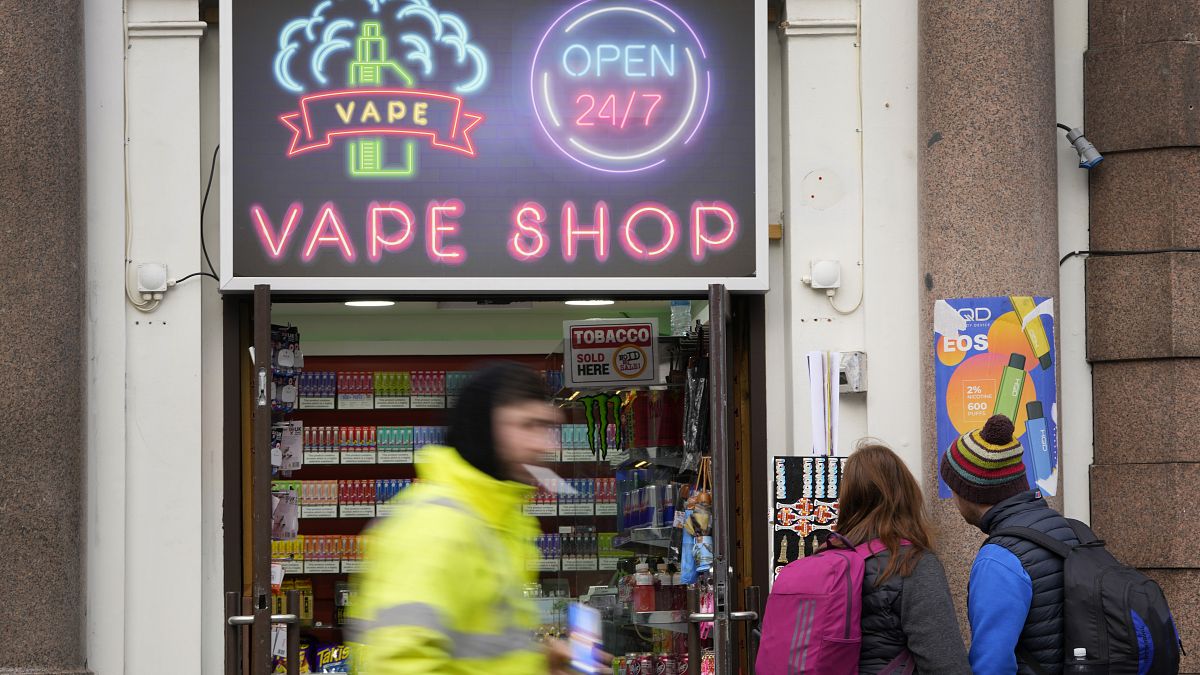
[{"x": 916, "y": 612}]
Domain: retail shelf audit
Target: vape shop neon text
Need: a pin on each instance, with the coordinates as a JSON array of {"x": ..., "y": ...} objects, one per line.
[{"x": 646, "y": 232}]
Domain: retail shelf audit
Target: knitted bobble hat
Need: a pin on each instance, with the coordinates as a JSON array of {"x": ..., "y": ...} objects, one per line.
[{"x": 985, "y": 466}]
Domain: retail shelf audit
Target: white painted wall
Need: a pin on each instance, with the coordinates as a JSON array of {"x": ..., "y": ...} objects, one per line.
[
  {"x": 144, "y": 370},
  {"x": 212, "y": 387},
  {"x": 1074, "y": 372},
  {"x": 821, "y": 198},
  {"x": 821, "y": 95},
  {"x": 777, "y": 380},
  {"x": 163, "y": 468},
  {"x": 104, "y": 626}
]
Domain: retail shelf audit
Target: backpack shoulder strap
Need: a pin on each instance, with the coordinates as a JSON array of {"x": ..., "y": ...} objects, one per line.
[
  {"x": 1083, "y": 533},
  {"x": 1031, "y": 535}
]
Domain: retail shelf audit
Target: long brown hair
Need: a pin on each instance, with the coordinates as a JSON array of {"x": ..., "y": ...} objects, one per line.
[{"x": 880, "y": 499}]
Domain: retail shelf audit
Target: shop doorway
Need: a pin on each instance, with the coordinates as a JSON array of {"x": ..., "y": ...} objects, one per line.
[{"x": 373, "y": 388}]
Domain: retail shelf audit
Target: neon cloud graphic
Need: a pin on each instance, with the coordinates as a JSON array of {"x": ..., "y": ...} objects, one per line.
[
  {"x": 620, "y": 86},
  {"x": 438, "y": 42},
  {"x": 380, "y": 44}
]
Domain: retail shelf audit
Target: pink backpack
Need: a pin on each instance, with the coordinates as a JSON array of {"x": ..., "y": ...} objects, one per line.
[{"x": 813, "y": 619}]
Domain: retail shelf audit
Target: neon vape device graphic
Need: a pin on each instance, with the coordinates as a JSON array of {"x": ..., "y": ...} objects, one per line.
[
  {"x": 372, "y": 116},
  {"x": 620, "y": 86},
  {"x": 366, "y": 156}
]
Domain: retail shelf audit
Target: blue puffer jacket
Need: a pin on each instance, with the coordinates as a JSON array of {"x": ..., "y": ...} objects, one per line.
[{"x": 1042, "y": 635}]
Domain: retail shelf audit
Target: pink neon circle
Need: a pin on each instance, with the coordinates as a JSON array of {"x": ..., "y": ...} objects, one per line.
[{"x": 533, "y": 92}]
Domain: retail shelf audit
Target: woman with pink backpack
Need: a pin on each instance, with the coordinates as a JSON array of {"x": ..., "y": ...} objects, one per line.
[{"x": 874, "y": 599}]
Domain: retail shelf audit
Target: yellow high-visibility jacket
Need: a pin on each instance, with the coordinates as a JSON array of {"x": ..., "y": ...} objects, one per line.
[{"x": 442, "y": 588}]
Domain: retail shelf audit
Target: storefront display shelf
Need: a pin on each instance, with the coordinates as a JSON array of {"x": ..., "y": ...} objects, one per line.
[
  {"x": 673, "y": 621},
  {"x": 657, "y": 538},
  {"x": 570, "y": 394},
  {"x": 665, "y": 456}
]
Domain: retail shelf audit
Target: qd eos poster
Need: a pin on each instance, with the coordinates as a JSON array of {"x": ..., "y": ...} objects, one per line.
[
  {"x": 434, "y": 140},
  {"x": 995, "y": 356}
]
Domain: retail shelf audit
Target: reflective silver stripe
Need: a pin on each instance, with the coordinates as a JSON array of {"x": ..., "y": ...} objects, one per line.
[
  {"x": 410, "y": 614},
  {"x": 807, "y": 615},
  {"x": 462, "y": 645},
  {"x": 482, "y": 646},
  {"x": 448, "y": 502},
  {"x": 807, "y": 640}
]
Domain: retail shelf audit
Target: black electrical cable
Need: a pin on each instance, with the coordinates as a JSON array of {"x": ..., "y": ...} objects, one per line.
[
  {"x": 1114, "y": 254},
  {"x": 1064, "y": 127},
  {"x": 203, "y": 205},
  {"x": 197, "y": 274}
]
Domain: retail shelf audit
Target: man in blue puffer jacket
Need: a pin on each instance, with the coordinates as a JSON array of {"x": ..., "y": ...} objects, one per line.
[{"x": 1015, "y": 595}]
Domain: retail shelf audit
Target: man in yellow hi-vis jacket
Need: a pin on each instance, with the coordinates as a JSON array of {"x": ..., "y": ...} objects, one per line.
[{"x": 442, "y": 590}]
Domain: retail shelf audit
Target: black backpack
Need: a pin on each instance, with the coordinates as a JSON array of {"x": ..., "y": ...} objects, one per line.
[{"x": 1116, "y": 613}]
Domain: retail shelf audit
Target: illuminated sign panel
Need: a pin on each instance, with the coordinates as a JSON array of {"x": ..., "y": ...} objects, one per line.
[{"x": 480, "y": 145}]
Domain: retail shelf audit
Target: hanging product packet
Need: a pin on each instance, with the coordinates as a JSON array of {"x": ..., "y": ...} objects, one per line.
[
  {"x": 700, "y": 521},
  {"x": 687, "y": 557},
  {"x": 695, "y": 416},
  {"x": 697, "y": 554}
]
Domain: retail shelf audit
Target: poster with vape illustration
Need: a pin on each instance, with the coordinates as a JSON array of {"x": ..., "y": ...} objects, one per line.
[
  {"x": 996, "y": 356},
  {"x": 805, "y": 505}
]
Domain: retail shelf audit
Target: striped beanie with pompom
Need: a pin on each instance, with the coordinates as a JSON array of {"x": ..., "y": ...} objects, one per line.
[{"x": 985, "y": 466}]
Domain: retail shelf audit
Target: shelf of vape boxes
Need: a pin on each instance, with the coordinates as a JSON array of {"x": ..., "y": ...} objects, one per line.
[
  {"x": 385, "y": 390},
  {"x": 319, "y": 554},
  {"x": 324, "y": 499},
  {"x": 576, "y": 552},
  {"x": 367, "y": 444},
  {"x": 324, "y": 445},
  {"x": 388, "y": 390},
  {"x": 589, "y": 497}
]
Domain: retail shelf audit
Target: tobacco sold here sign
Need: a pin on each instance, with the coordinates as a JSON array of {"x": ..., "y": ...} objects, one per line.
[{"x": 610, "y": 353}]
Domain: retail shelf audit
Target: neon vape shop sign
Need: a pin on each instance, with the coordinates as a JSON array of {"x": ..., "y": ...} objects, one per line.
[
  {"x": 400, "y": 138},
  {"x": 617, "y": 87}
]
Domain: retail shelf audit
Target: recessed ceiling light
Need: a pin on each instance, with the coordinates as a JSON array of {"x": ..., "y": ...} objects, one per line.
[
  {"x": 370, "y": 303},
  {"x": 590, "y": 303}
]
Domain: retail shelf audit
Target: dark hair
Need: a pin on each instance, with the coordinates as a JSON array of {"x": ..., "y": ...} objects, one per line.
[
  {"x": 880, "y": 499},
  {"x": 494, "y": 386}
]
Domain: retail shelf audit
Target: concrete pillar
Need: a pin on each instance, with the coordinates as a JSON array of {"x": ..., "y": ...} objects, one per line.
[
  {"x": 988, "y": 188},
  {"x": 1141, "y": 99},
  {"x": 42, "y": 231}
]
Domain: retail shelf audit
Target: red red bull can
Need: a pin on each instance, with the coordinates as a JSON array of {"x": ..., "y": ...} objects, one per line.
[{"x": 668, "y": 665}]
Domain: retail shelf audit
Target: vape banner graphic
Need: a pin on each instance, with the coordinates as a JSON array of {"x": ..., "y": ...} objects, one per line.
[
  {"x": 443, "y": 139},
  {"x": 806, "y": 505},
  {"x": 996, "y": 356}
]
